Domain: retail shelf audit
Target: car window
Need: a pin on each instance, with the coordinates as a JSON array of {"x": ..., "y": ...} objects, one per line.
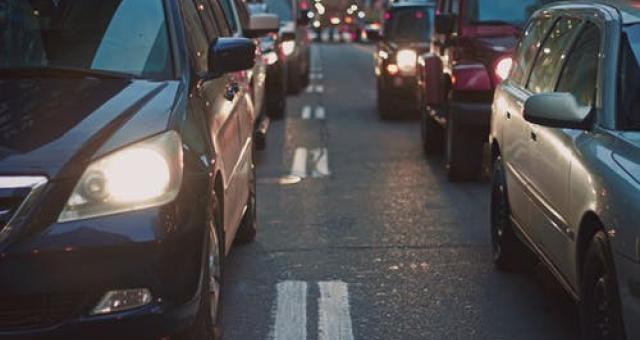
[
  {"x": 492, "y": 12},
  {"x": 206, "y": 17},
  {"x": 196, "y": 37},
  {"x": 629, "y": 79},
  {"x": 527, "y": 48},
  {"x": 282, "y": 8},
  {"x": 581, "y": 70},
  {"x": 455, "y": 7},
  {"x": 228, "y": 12},
  {"x": 552, "y": 53},
  {"x": 243, "y": 13},
  {"x": 409, "y": 24},
  {"x": 220, "y": 18}
]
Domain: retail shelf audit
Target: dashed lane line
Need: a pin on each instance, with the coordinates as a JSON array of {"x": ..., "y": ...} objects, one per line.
[
  {"x": 291, "y": 311},
  {"x": 333, "y": 311}
]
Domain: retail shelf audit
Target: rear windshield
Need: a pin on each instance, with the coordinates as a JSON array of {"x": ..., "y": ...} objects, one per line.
[
  {"x": 412, "y": 24},
  {"x": 492, "y": 12},
  {"x": 125, "y": 36},
  {"x": 629, "y": 81},
  {"x": 283, "y": 8}
]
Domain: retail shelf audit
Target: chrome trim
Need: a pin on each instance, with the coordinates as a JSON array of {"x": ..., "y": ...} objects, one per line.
[{"x": 36, "y": 183}]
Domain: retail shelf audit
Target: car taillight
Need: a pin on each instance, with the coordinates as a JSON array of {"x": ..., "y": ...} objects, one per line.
[{"x": 393, "y": 69}]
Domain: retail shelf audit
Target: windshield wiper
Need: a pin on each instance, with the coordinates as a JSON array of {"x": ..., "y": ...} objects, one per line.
[{"x": 63, "y": 72}]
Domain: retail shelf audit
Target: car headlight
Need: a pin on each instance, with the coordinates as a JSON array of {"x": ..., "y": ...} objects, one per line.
[
  {"x": 503, "y": 68},
  {"x": 288, "y": 47},
  {"x": 406, "y": 60},
  {"x": 143, "y": 175}
]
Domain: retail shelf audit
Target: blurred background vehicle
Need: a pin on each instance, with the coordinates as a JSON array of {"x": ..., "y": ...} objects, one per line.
[
  {"x": 565, "y": 141},
  {"x": 274, "y": 58},
  {"x": 295, "y": 40},
  {"x": 471, "y": 55},
  {"x": 408, "y": 27},
  {"x": 254, "y": 26}
]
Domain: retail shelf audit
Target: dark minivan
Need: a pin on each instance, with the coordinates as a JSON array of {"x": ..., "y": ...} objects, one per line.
[{"x": 126, "y": 166}]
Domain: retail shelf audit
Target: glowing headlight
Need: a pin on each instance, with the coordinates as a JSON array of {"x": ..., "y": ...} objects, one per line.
[
  {"x": 143, "y": 175},
  {"x": 503, "y": 68},
  {"x": 270, "y": 58},
  {"x": 406, "y": 60},
  {"x": 288, "y": 47}
]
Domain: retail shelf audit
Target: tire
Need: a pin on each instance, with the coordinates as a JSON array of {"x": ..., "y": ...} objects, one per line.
[
  {"x": 464, "y": 147},
  {"x": 207, "y": 324},
  {"x": 277, "y": 107},
  {"x": 383, "y": 103},
  {"x": 248, "y": 226},
  {"x": 294, "y": 84},
  {"x": 509, "y": 253},
  {"x": 432, "y": 134},
  {"x": 600, "y": 309}
]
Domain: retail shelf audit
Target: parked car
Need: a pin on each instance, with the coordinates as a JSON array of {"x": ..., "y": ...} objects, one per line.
[
  {"x": 296, "y": 41},
  {"x": 565, "y": 140},
  {"x": 255, "y": 26},
  {"x": 273, "y": 56},
  {"x": 471, "y": 55},
  {"x": 407, "y": 30},
  {"x": 126, "y": 170}
]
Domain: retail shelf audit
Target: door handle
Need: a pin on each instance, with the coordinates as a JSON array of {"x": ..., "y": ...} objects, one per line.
[{"x": 534, "y": 136}]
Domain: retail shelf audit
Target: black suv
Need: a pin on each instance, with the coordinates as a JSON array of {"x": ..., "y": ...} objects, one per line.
[
  {"x": 126, "y": 166},
  {"x": 407, "y": 32}
]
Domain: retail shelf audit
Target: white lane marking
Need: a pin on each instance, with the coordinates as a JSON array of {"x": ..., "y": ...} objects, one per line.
[
  {"x": 319, "y": 88},
  {"x": 333, "y": 311},
  {"x": 320, "y": 161},
  {"x": 291, "y": 311},
  {"x": 309, "y": 89},
  {"x": 306, "y": 112},
  {"x": 320, "y": 113},
  {"x": 299, "y": 165},
  {"x": 316, "y": 76}
]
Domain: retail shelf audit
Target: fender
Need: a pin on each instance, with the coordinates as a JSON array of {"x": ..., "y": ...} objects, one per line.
[
  {"x": 432, "y": 75},
  {"x": 470, "y": 77}
]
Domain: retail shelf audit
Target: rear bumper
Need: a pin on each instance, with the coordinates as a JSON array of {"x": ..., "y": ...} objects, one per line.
[
  {"x": 474, "y": 114},
  {"x": 401, "y": 90}
]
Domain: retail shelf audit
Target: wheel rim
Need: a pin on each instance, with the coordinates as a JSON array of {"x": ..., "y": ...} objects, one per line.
[
  {"x": 601, "y": 309},
  {"x": 215, "y": 272},
  {"x": 498, "y": 217}
]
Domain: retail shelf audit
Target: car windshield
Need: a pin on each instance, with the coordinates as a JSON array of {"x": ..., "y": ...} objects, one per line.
[
  {"x": 282, "y": 8},
  {"x": 412, "y": 24},
  {"x": 629, "y": 79},
  {"x": 121, "y": 36},
  {"x": 492, "y": 12}
]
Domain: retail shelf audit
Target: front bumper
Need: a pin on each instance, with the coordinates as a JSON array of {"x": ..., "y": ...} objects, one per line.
[{"x": 55, "y": 278}]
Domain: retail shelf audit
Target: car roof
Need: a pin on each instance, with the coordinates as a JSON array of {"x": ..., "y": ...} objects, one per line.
[{"x": 628, "y": 9}]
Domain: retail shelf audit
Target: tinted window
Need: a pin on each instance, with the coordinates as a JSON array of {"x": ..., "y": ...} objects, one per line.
[
  {"x": 413, "y": 24},
  {"x": 492, "y": 12},
  {"x": 629, "y": 81},
  {"x": 228, "y": 12},
  {"x": 196, "y": 38},
  {"x": 528, "y": 48},
  {"x": 128, "y": 36},
  {"x": 581, "y": 70},
  {"x": 551, "y": 56}
]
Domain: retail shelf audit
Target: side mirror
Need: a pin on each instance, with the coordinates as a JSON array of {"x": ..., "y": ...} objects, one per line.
[
  {"x": 262, "y": 24},
  {"x": 231, "y": 55},
  {"x": 374, "y": 34},
  {"x": 444, "y": 23},
  {"x": 303, "y": 19},
  {"x": 556, "y": 110}
]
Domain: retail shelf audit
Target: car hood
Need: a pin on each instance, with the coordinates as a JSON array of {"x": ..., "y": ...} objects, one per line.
[
  {"x": 627, "y": 153},
  {"x": 53, "y": 127}
]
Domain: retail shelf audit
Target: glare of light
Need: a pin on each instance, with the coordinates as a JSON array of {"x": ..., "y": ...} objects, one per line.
[
  {"x": 407, "y": 60},
  {"x": 136, "y": 175},
  {"x": 393, "y": 69},
  {"x": 503, "y": 67},
  {"x": 335, "y": 21},
  {"x": 361, "y": 15},
  {"x": 348, "y": 20},
  {"x": 270, "y": 58},
  {"x": 310, "y": 15},
  {"x": 316, "y": 24},
  {"x": 320, "y": 8},
  {"x": 383, "y": 54},
  {"x": 288, "y": 47}
]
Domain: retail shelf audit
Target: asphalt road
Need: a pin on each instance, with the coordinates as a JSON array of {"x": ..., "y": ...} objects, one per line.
[{"x": 372, "y": 242}]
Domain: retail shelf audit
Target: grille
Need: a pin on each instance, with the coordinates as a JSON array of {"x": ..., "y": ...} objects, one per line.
[{"x": 28, "y": 311}]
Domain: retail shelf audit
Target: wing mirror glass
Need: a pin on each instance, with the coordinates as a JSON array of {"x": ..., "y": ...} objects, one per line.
[
  {"x": 231, "y": 55},
  {"x": 262, "y": 24},
  {"x": 557, "y": 110}
]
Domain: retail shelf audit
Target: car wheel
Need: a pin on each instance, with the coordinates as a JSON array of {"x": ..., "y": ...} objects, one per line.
[
  {"x": 294, "y": 84},
  {"x": 509, "y": 253},
  {"x": 248, "y": 227},
  {"x": 600, "y": 312},
  {"x": 464, "y": 149},
  {"x": 432, "y": 134},
  {"x": 207, "y": 323}
]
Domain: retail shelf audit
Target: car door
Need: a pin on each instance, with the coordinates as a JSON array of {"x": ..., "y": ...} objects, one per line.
[
  {"x": 509, "y": 108},
  {"x": 554, "y": 149},
  {"x": 543, "y": 78},
  {"x": 218, "y": 100}
]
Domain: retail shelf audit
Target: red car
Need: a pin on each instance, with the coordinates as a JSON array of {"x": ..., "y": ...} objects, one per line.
[{"x": 470, "y": 55}]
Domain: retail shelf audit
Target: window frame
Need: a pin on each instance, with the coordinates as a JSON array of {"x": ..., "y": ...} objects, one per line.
[{"x": 524, "y": 82}]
